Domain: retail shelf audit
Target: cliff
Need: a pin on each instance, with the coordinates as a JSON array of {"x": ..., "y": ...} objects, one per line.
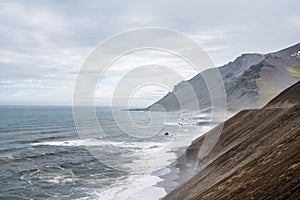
[
  {"x": 256, "y": 157},
  {"x": 250, "y": 81}
]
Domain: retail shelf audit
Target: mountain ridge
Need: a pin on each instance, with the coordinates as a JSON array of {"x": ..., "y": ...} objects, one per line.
[{"x": 250, "y": 81}]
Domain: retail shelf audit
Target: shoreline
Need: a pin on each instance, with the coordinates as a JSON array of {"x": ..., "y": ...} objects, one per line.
[{"x": 253, "y": 158}]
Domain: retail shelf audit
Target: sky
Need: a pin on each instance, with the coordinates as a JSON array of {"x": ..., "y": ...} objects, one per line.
[{"x": 43, "y": 44}]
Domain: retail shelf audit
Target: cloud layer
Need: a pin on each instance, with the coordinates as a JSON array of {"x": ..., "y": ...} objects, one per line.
[{"x": 44, "y": 43}]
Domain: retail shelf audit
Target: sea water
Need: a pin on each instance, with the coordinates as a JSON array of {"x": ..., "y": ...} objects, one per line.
[{"x": 43, "y": 157}]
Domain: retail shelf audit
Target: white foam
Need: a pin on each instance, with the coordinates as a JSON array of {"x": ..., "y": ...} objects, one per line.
[
  {"x": 151, "y": 156},
  {"x": 86, "y": 142},
  {"x": 172, "y": 123},
  {"x": 135, "y": 187},
  {"x": 140, "y": 185},
  {"x": 95, "y": 142}
]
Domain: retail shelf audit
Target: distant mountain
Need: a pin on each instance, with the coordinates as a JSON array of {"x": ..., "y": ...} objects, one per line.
[
  {"x": 251, "y": 80},
  {"x": 256, "y": 156}
]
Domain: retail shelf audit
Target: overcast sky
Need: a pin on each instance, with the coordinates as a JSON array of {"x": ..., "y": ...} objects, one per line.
[{"x": 43, "y": 44}]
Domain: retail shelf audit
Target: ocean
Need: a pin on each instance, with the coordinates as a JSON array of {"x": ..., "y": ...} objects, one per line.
[{"x": 43, "y": 157}]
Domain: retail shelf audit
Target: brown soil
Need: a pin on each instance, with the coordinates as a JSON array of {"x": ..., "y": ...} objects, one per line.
[{"x": 257, "y": 155}]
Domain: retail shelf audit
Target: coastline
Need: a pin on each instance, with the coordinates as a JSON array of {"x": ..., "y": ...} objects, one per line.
[{"x": 256, "y": 157}]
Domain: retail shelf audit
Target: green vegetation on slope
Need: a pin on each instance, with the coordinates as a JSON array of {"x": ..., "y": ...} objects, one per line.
[{"x": 294, "y": 70}]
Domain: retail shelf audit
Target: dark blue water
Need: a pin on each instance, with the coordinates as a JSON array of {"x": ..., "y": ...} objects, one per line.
[
  {"x": 41, "y": 156},
  {"x": 38, "y": 172}
]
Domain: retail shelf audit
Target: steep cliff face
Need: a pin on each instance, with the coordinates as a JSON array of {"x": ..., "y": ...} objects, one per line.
[
  {"x": 256, "y": 157},
  {"x": 251, "y": 80},
  {"x": 261, "y": 82}
]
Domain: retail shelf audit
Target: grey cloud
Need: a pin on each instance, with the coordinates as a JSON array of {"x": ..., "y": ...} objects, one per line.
[{"x": 48, "y": 40}]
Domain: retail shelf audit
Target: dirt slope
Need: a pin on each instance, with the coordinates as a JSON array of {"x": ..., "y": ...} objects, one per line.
[{"x": 256, "y": 157}]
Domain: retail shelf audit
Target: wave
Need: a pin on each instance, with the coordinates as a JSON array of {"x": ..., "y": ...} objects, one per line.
[
  {"x": 140, "y": 186},
  {"x": 172, "y": 123},
  {"x": 78, "y": 142},
  {"x": 97, "y": 142}
]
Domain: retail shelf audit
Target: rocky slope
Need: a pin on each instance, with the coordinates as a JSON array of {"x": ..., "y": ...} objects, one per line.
[
  {"x": 257, "y": 155},
  {"x": 251, "y": 80}
]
